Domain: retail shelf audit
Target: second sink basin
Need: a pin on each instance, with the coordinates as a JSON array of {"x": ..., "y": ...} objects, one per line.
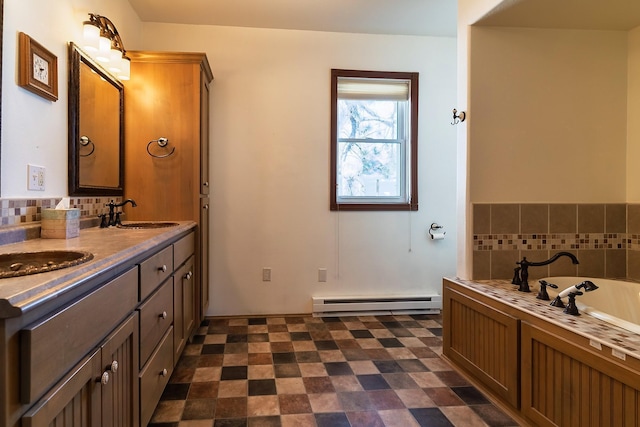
[
  {"x": 25, "y": 263},
  {"x": 139, "y": 225}
]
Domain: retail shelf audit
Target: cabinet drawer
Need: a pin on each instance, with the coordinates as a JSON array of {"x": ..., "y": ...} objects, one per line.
[
  {"x": 182, "y": 249},
  {"x": 156, "y": 315},
  {"x": 155, "y": 270},
  {"x": 51, "y": 347},
  {"x": 155, "y": 376}
]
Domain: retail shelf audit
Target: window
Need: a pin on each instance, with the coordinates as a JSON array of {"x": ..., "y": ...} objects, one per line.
[{"x": 374, "y": 140}]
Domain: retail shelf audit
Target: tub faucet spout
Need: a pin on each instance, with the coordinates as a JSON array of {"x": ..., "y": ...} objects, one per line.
[{"x": 521, "y": 274}]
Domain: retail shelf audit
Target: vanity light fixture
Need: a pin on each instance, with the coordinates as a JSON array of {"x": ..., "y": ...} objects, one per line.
[{"x": 103, "y": 43}]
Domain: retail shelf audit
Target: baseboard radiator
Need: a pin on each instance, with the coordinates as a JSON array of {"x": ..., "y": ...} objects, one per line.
[{"x": 371, "y": 305}]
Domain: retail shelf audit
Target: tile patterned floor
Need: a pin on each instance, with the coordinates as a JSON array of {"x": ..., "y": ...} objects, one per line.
[{"x": 303, "y": 371}]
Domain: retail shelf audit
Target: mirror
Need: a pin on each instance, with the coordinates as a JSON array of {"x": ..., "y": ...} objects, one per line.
[{"x": 96, "y": 128}]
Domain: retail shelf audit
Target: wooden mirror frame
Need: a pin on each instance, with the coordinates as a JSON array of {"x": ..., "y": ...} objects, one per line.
[
  {"x": 76, "y": 58},
  {"x": 1, "y": 31}
]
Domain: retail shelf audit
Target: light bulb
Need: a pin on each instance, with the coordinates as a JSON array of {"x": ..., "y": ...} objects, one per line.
[
  {"x": 104, "y": 49},
  {"x": 115, "y": 59},
  {"x": 125, "y": 69},
  {"x": 90, "y": 35}
]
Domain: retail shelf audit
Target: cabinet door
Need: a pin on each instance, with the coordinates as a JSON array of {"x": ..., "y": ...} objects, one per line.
[
  {"x": 74, "y": 401},
  {"x": 184, "y": 306},
  {"x": 567, "y": 383},
  {"x": 203, "y": 260},
  {"x": 484, "y": 341},
  {"x": 204, "y": 134},
  {"x": 119, "y": 361}
]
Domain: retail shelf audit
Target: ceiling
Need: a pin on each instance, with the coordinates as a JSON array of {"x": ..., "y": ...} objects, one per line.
[
  {"x": 400, "y": 17},
  {"x": 618, "y": 15}
]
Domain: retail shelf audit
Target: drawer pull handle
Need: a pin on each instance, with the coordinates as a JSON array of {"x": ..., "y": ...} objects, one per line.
[
  {"x": 164, "y": 372},
  {"x": 163, "y": 315},
  {"x": 104, "y": 379},
  {"x": 188, "y": 275},
  {"x": 114, "y": 366},
  {"x": 163, "y": 268}
]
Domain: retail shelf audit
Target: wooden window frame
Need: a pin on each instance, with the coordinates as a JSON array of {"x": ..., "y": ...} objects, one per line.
[{"x": 412, "y": 204}]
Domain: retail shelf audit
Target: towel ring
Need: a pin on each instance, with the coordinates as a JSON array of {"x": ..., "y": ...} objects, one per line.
[
  {"x": 84, "y": 141},
  {"x": 162, "y": 142}
]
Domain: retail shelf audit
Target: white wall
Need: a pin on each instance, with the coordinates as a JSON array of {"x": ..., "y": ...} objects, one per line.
[
  {"x": 550, "y": 113},
  {"x": 34, "y": 130},
  {"x": 270, "y": 168}
]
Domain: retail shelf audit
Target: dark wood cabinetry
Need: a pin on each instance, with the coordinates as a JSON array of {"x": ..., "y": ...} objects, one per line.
[
  {"x": 101, "y": 390},
  {"x": 102, "y": 353}
]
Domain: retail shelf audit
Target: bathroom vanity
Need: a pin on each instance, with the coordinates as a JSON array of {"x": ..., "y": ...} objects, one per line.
[
  {"x": 545, "y": 367},
  {"x": 95, "y": 344}
]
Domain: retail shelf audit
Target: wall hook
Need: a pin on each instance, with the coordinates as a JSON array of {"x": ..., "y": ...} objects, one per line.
[
  {"x": 458, "y": 118},
  {"x": 162, "y": 142},
  {"x": 85, "y": 141}
]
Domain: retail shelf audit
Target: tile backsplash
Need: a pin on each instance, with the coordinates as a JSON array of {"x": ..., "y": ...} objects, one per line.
[
  {"x": 604, "y": 237},
  {"x": 20, "y": 218},
  {"x": 23, "y": 211}
]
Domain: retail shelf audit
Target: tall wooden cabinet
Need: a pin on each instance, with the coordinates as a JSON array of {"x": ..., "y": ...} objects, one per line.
[{"x": 167, "y": 147}]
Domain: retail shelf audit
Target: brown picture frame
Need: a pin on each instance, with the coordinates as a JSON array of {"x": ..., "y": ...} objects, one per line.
[{"x": 31, "y": 56}]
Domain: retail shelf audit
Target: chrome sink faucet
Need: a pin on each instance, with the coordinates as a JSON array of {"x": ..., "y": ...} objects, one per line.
[
  {"x": 114, "y": 217},
  {"x": 521, "y": 274}
]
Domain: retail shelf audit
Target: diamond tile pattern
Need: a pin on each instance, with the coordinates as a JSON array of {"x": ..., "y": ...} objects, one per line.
[{"x": 361, "y": 371}]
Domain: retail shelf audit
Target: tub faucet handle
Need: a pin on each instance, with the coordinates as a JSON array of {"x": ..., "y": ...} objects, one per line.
[
  {"x": 571, "y": 305},
  {"x": 542, "y": 292},
  {"x": 516, "y": 277}
]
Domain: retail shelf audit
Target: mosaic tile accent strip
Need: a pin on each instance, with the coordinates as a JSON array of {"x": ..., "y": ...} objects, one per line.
[{"x": 493, "y": 242}]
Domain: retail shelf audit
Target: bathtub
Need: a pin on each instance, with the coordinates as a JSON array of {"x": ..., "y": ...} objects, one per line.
[{"x": 615, "y": 301}]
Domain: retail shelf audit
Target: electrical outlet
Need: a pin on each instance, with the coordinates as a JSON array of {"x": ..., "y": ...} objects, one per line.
[
  {"x": 322, "y": 275},
  {"x": 266, "y": 274},
  {"x": 35, "y": 178}
]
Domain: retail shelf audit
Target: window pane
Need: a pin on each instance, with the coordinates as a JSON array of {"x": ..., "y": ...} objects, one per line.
[
  {"x": 367, "y": 119},
  {"x": 369, "y": 169}
]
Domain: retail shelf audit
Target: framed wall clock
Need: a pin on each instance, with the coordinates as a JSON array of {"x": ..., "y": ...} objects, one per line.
[{"x": 38, "y": 68}]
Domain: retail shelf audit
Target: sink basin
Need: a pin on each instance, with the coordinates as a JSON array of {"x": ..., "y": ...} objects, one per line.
[
  {"x": 26, "y": 263},
  {"x": 139, "y": 225}
]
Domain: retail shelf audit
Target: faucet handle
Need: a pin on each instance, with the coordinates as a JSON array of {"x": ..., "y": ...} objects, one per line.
[
  {"x": 542, "y": 292},
  {"x": 571, "y": 307},
  {"x": 545, "y": 283},
  {"x": 516, "y": 277}
]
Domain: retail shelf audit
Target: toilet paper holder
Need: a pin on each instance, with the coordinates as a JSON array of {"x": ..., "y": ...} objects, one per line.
[{"x": 435, "y": 228}]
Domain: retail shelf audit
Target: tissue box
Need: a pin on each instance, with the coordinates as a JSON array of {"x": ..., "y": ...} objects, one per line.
[{"x": 60, "y": 223}]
